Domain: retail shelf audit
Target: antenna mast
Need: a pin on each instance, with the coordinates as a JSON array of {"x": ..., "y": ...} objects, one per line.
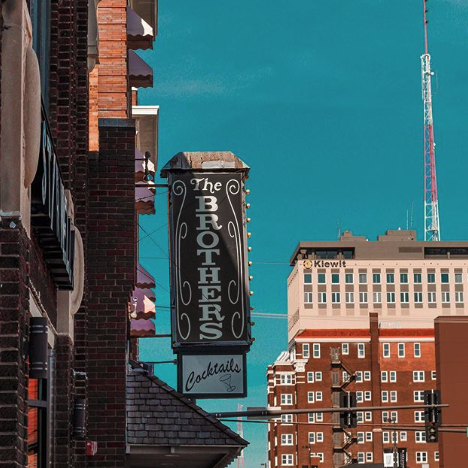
[
  {"x": 240, "y": 431},
  {"x": 431, "y": 202}
]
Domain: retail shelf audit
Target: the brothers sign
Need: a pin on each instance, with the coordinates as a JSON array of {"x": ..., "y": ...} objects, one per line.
[{"x": 209, "y": 279}]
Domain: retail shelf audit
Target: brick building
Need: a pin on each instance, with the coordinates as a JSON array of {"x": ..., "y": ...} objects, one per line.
[
  {"x": 361, "y": 319},
  {"x": 77, "y": 161}
]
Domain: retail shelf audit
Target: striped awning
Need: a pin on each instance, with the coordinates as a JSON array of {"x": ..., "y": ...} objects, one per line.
[
  {"x": 140, "y": 34},
  {"x": 139, "y": 72}
]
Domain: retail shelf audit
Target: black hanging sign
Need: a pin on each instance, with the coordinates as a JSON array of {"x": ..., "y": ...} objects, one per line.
[{"x": 209, "y": 278}]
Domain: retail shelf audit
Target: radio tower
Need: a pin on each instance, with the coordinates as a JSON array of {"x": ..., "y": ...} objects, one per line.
[
  {"x": 431, "y": 203},
  {"x": 240, "y": 431}
]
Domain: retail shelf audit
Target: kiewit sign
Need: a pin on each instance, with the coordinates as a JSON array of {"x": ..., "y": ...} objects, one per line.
[
  {"x": 209, "y": 279},
  {"x": 212, "y": 375}
]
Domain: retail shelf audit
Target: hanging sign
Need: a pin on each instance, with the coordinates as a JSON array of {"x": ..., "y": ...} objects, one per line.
[
  {"x": 209, "y": 279},
  {"x": 212, "y": 375},
  {"x": 49, "y": 214}
]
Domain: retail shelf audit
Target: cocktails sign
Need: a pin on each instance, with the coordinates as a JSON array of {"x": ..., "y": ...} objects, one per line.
[{"x": 209, "y": 279}]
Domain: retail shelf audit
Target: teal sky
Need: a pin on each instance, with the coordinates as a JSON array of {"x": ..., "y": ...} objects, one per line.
[{"x": 322, "y": 98}]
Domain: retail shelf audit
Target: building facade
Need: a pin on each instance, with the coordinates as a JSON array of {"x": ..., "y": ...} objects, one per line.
[
  {"x": 77, "y": 164},
  {"x": 361, "y": 319}
]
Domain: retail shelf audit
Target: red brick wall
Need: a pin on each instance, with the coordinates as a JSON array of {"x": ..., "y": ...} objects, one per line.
[
  {"x": 14, "y": 307},
  {"x": 111, "y": 278}
]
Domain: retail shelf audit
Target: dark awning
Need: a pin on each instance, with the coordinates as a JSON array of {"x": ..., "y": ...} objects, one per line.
[
  {"x": 140, "y": 34},
  {"x": 139, "y": 72}
]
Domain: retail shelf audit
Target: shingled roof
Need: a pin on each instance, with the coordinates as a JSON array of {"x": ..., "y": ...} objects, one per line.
[{"x": 160, "y": 417}]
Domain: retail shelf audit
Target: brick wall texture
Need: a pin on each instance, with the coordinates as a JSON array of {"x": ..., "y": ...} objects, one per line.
[
  {"x": 14, "y": 307},
  {"x": 111, "y": 278}
]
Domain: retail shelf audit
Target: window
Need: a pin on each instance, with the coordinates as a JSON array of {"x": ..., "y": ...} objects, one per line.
[
  {"x": 367, "y": 375},
  {"x": 359, "y": 397},
  {"x": 311, "y": 437},
  {"x": 458, "y": 277},
  {"x": 307, "y": 278},
  {"x": 310, "y": 377},
  {"x": 319, "y": 417},
  {"x": 286, "y": 399},
  {"x": 385, "y": 416},
  {"x": 390, "y": 278},
  {"x": 316, "y": 347},
  {"x": 418, "y": 376},
  {"x": 322, "y": 279},
  {"x": 445, "y": 297},
  {"x": 418, "y": 297},
  {"x": 318, "y": 396},
  {"x": 361, "y": 350},
  {"x": 417, "y": 350},
  {"x": 417, "y": 278},
  {"x": 311, "y": 418},
  {"x": 431, "y": 297},
  {"x": 305, "y": 350},
  {"x": 401, "y": 350},
  {"x": 391, "y": 297},
  {"x": 384, "y": 376},
  {"x": 319, "y": 437},
  {"x": 431, "y": 278},
  {"x": 433, "y": 375},
  {"x": 322, "y": 297},
  {"x": 40, "y": 19},
  {"x": 368, "y": 436},
  {"x": 377, "y": 297},
  {"x": 369, "y": 457},
  {"x": 287, "y": 460},
  {"x": 335, "y": 278},
  {"x": 404, "y": 278},
  {"x": 349, "y": 278},
  {"x": 384, "y": 396},
  {"x": 458, "y": 297},
  {"x": 345, "y": 348},
  {"x": 286, "y": 379},
  {"x": 307, "y": 298},
  {"x": 360, "y": 437},
  {"x": 436, "y": 456},
  {"x": 444, "y": 277},
  {"x": 336, "y": 297},
  {"x": 363, "y": 297},
  {"x": 360, "y": 416},
  {"x": 386, "y": 350},
  {"x": 286, "y": 418},
  {"x": 404, "y": 297},
  {"x": 386, "y": 437},
  {"x": 367, "y": 396},
  {"x": 403, "y": 436},
  {"x": 394, "y": 416},
  {"x": 368, "y": 415},
  {"x": 359, "y": 376},
  {"x": 393, "y": 396},
  {"x": 350, "y": 298},
  {"x": 310, "y": 397},
  {"x": 392, "y": 376},
  {"x": 318, "y": 375},
  {"x": 419, "y": 416},
  {"x": 361, "y": 457},
  {"x": 362, "y": 278},
  {"x": 376, "y": 278},
  {"x": 418, "y": 396},
  {"x": 421, "y": 457},
  {"x": 394, "y": 437},
  {"x": 286, "y": 439}
]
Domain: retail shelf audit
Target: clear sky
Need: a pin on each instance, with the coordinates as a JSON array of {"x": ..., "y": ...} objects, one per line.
[{"x": 322, "y": 98}]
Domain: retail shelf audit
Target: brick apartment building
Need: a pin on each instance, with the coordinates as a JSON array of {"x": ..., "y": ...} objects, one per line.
[
  {"x": 361, "y": 319},
  {"x": 77, "y": 159}
]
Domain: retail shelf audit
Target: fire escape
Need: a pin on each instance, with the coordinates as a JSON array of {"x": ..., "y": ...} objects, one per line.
[{"x": 342, "y": 439}]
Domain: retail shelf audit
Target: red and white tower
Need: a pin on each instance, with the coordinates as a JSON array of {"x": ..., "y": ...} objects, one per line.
[{"x": 431, "y": 202}]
